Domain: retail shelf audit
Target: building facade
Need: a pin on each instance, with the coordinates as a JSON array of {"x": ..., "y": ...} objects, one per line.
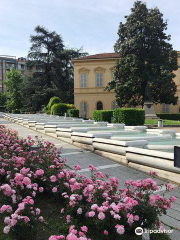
[
  {"x": 91, "y": 76},
  {"x": 8, "y": 62}
]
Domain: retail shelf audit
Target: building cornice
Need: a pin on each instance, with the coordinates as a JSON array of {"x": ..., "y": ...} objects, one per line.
[
  {"x": 83, "y": 69},
  {"x": 94, "y": 60}
]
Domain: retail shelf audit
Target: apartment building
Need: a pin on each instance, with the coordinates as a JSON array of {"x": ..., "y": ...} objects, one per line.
[{"x": 8, "y": 62}]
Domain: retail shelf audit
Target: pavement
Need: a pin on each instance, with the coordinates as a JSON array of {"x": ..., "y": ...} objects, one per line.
[{"x": 76, "y": 155}]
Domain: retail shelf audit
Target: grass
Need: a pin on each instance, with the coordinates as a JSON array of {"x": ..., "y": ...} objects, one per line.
[
  {"x": 54, "y": 223},
  {"x": 165, "y": 122}
]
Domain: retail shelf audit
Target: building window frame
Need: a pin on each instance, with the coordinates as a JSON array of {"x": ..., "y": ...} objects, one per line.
[
  {"x": 99, "y": 77},
  {"x": 165, "y": 108},
  {"x": 99, "y": 107},
  {"x": 83, "y": 72},
  {"x": 84, "y": 109},
  {"x": 83, "y": 76}
]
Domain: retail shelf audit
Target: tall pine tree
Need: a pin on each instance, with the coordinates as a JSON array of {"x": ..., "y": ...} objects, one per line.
[
  {"x": 146, "y": 59},
  {"x": 52, "y": 67}
]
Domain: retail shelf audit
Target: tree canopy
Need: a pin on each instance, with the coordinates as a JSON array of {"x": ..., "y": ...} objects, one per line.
[
  {"x": 146, "y": 59},
  {"x": 51, "y": 64},
  {"x": 13, "y": 85}
]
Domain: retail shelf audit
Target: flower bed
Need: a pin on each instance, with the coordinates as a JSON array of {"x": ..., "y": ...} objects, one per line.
[{"x": 84, "y": 206}]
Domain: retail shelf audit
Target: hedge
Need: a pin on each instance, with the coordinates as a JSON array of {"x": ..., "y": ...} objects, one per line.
[
  {"x": 129, "y": 116},
  {"x": 46, "y": 110},
  {"x": 102, "y": 115},
  {"x": 59, "y": 109},
  {"x": 70, "y": 106},
  {"x": 169, "y": 116},
  {"x": 15, "y": 111},
  {"x": 53, "y": 101},
  {"x": 73, "y": 113}
]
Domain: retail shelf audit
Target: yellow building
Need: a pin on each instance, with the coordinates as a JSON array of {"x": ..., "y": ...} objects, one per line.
[{"x": 91, "y": 76}]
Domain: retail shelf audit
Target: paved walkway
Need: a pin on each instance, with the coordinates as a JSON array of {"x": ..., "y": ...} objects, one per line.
[{"x": 76, "y": 155}]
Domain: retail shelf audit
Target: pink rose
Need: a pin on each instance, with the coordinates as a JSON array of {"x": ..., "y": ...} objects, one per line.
[
  {"x": 105, "y": 232},
  {"x": 54, "y": 190},
  {"x": 84, "y": 228},
  {"x": 53, "y": 178},
  {"x": 26, "y": 181},
  {"x": 174, "y": 199},
  {"x": 79, "y": 211},
  {"x": 41, "y": 189},
  {"x": 120, "y": 229},
  {"x": 101, "y": 215},
  {"x": 39, "y": 172},
  {"x": 91, "y": 214}
]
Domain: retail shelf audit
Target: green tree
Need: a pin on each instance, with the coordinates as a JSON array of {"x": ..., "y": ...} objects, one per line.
[
  {"x": 146, "y": 59},
  {"x": 3, "y": 99},
  {"x": 51, "y": 64},
  {"x": 13, "y": 85}
]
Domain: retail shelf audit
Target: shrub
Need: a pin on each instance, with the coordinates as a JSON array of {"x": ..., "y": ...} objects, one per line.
[
  {"x": 53, "y": 101},
  {"x": 15, "y": 111},
  {"x": 59, "y": 109},
  {"x": 169, "y": 116},
  {"x": 46, "y": 110},
  {"x": 129, "y": 116},
  {"x": 70, "y": 106},
  {"x": 102, "y": 115},
  {"x": 94, "y": 202},
  {"x": 73, "y": 112}
]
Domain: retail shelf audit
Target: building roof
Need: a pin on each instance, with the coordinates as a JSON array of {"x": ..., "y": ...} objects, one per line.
[{"x": 99, "y": 56}]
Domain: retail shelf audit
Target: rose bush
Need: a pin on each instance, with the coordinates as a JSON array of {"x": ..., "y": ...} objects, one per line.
[{"x": 87, "y": 205}]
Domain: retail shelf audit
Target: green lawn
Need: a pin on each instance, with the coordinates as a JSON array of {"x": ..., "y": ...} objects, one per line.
[{"x": 165, "y": 122}]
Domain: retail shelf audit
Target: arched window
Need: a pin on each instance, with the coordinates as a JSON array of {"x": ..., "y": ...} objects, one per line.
[
  {"x": 83, "y": 109},
  {"x": 114, "y": 105},
  {"x": 99, "y": 105}
]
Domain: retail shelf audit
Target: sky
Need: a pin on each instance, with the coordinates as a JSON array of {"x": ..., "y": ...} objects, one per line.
[{"x": 91, "y": 24}]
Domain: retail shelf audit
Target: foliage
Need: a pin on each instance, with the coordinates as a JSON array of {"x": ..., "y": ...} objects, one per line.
[
  {"x": 53, "y": 101},
  {"x": 73, "y": 113},
  {"x": 86, "y": 204},
  {"x": 146, "y": 61},
  {"x": 46, "y": 110},
  {"x": 169, "y": 116},
  {"x": 129, "y": 116},
  {"x": 15, "y": 111},
  {"x": 70, "y": 106},
  {"x": 165, "y": 122},
  {"x": 59, "y": 109},
  {"x": 102, "y": 115},
  {"x": 51, "y": 63},
  {"x": 13, "y": 85},
  {"x": 3, "y": 99}
]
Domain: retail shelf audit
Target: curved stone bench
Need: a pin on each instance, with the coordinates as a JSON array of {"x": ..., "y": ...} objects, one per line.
[
  {"x": 87, "y": 138},
  {"x": 133, "y": 138},
  {"x": 39, "y": 126},
  {"x": 140, "y": 128},
  {"x": 114, "y": 146},
  {"x": 150, "y": 158}
]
